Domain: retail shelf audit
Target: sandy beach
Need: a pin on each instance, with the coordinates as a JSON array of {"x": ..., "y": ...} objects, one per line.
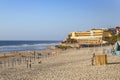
[{"x": 70, "y": 64}]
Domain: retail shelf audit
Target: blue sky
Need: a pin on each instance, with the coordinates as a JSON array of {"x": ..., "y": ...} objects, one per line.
[{"x": 54, "y": 19}]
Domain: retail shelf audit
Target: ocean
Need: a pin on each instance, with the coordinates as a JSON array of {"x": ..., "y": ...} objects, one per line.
[{"x": 12, "y": 46}]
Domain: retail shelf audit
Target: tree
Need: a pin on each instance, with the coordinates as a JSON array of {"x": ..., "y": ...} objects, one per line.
[{"x": 114, "y": 38}]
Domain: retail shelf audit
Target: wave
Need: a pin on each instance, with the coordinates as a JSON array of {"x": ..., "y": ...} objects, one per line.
[{"x": 26, "y": 47}]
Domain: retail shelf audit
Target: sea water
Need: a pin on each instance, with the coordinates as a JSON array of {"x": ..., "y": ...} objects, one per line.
[{"x": 12, "y": 46}]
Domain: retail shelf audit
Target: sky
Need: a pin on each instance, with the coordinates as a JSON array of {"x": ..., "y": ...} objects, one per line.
[{"x": 55, "y": 19}]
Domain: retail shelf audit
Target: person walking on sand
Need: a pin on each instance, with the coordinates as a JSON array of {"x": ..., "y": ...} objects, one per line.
[{"x": 30, "y": 63}]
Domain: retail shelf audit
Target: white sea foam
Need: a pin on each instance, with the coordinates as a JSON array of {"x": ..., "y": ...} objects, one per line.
[{"x": 25, "y": 47}]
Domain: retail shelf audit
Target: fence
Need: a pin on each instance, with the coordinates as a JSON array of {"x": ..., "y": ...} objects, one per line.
[{"x": 16, "y": 60}]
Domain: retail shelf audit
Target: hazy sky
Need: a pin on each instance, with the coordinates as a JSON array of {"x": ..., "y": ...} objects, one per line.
[{"x": 55, "y": 19}]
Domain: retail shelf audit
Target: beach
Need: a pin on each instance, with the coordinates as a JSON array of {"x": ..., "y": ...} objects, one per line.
[{"x": 70, "y": 64}]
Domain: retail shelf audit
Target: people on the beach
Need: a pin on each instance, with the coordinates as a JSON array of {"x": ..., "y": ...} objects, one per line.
[
  {"x": 93, "y": 58},
  {"x": 39, "y": 54},
  {"x": 29, "y": 63}
]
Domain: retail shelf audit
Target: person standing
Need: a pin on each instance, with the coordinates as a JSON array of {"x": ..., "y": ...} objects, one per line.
[{"x": 30, "y": 63}]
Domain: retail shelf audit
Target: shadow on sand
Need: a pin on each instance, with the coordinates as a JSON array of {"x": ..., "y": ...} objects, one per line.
[{"x": 113, "y": 63}]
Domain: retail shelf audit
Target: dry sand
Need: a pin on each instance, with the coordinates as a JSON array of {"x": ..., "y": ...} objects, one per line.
[{"x": 72, "y": 64}]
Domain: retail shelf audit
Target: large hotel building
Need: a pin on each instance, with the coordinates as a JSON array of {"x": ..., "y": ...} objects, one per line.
[{"x": 94, "y": 36}]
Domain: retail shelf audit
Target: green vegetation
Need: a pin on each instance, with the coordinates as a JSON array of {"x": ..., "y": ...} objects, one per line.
[
  {"x": 113, "y": 39},
  {"x": 69, "y": 40},
  {"x": 63, "y": 47}
]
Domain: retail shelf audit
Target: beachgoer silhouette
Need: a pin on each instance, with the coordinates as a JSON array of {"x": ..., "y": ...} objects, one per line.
[
  {"x": 30, "y": 64},
  {"x": 93, "y": 58}
]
